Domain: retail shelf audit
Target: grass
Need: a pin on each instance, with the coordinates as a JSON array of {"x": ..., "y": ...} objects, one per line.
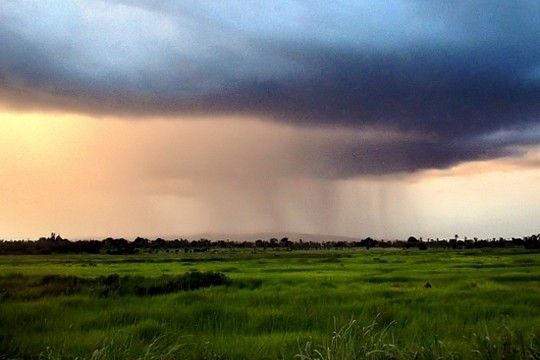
[
  {"x": 373, "y": 341},
  {"x": 277, "y": 304}
]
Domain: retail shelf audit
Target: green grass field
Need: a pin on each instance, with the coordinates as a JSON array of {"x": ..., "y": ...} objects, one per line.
[{"x": 278, "y": 304}]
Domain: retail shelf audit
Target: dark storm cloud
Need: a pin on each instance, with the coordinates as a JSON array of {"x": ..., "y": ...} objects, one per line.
[{"x": 456, "y": 71}]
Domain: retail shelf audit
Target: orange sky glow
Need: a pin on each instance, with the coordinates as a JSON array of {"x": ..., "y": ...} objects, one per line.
[{"x": 84, "y": 176}]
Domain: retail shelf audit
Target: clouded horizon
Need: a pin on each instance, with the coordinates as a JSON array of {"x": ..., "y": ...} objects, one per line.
[{"x": 359, "y": 118}]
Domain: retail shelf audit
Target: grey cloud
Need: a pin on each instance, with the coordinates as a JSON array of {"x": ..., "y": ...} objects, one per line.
[{"x": 458, "y": 72}]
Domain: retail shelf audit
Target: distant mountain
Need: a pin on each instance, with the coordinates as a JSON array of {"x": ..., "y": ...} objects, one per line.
[{"x": 267, "y": 235}]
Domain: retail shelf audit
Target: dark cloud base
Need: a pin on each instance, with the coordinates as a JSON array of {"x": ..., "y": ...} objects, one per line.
[{"x": 457, "y": 94}]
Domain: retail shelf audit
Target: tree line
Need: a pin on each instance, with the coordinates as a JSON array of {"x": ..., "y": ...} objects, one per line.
[{"x": 55, "y": 244}]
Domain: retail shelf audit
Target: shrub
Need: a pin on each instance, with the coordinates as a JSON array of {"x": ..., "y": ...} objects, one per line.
[
  {"x": 189, "y": 281},
  {"x": 110, "y": 285}
]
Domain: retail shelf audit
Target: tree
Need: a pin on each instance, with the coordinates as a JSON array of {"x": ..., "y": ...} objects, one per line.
[
  {"x": 140, "y": 242},
  {"x": 412, "y": 240}
]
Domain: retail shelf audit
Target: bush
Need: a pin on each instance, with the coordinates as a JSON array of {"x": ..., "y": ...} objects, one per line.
[
  {"x": 110, "y": 285},
  {"x": 189, "y": 281}
]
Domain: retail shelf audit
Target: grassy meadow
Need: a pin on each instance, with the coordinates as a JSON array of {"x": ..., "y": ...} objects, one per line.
[{"x": 326, "y": 304}]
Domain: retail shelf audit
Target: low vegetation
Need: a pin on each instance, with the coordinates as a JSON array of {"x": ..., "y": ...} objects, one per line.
[
  {"x": 34, "y": 287},
  {"x": 240, "y": 304},
  {"x": 354, "y": 341}
]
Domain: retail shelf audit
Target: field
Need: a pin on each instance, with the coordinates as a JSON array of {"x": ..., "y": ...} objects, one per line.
[{"x": 330, "y": 304}]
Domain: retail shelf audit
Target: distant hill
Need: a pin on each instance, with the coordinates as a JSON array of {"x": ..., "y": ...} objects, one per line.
[{"x": 267, "y": 235}]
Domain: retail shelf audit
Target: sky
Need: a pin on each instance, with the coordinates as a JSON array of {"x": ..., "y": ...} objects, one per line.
[{"x": 356, "y": 118}]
